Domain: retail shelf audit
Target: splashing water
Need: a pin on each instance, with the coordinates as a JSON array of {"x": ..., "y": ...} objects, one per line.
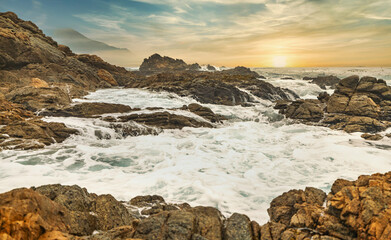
[{"x": 239, "y": 166}]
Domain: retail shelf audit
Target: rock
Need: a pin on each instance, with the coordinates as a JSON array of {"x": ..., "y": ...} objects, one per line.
[
  {"x": 357, "y": 105},
  {"x": 243, "y": 71},
  {"x": 87, "y": 110},
  {"x": 272, "y": 230},
  {"x": 36, "y": 99},
  {"x": 119, "y": 233},
  {"x": 307, "y": 110},
  {"x": 158, "y": 64},
  {"x": 38, "y": 83},
  {"x": 107, "y": 77},
  {"x": 353, "y": 123},
  {"x": 323, "y": 97},
  {"x": 284, "y": 207},
  {"x": 364, "y": 206},
  {"x": 110, "y": 213},
  {"x": 361, "y": 105},
  {"x": 194, "y": 67},
  {"x": 165, "y": 120},
  {"x": 26, "y": 214},
  {"x": 204, "y": 112},
  {"x": 38, "y": 132},
  {"x": 326, "y": 81},
  {"x": 66, "y": 50},
  {"x": 372, "y": 137},
  {"x": 216, "y": 87},
  {"x": 210, "y": 68},
  {"x": 238, "y": 226},
  {"x": 88, "y": 212},
  {"x": 287, "y": 78}
]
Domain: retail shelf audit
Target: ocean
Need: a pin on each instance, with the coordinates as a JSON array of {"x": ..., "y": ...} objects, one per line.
[{"x": 239, "y": 166}]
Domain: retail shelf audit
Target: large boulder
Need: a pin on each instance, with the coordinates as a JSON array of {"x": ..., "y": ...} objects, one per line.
[
  {"x": 26, "y": 214},
  {"x": 307, "y": 110},
  {"x": 88, "y": 212},
  {"x": 158, "y": 64},
  {"x": 240, "y": 70},
  {"x": 357, "y": 105}
]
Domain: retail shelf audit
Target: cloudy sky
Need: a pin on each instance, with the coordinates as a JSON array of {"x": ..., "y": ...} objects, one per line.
[{"x": 226, "y": 32}]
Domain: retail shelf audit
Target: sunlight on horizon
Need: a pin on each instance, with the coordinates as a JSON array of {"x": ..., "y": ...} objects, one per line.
[{"x": 279, "y": 61}]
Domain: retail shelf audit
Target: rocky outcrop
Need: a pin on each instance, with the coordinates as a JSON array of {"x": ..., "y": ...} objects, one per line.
[
  {"x": 210, "y": 67},
  {"x": 87, "y": 110},
  {"x": 213, "y": 87},
  {"x": 35, "y": 99},
  {"x": 23, "y": 130},
  {"x": 26, "y": 214},
  {"x": 26, "y": 53},
  {"x": 165, "y": 120},
  {"x": 240, "y": 70},
  {"x": 158, "y": 64},
  {"x": 352, "y": 210},
  {"x": 324, "y": 81},
  {"x": 357, "y": 105}
]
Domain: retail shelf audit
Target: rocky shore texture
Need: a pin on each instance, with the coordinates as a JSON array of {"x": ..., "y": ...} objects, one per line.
[
  {"x": 357, "y": 105},
  {"x": 351, "y": 210},
  {"x": 39, "y": 77}
]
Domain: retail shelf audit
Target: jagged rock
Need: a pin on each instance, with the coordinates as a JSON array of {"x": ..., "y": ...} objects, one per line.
[
  {"x": 213, "y": 87},
  {"x": 353, "y": 123},
  {"x": 157, "y": 64},
  {"x": 26, "y": 214},
  {"x": 40, "y": 133},
  {"x": 307, "y": 110},
  {"x": 204, "y": 112},
  {"x": 324, "y": 81},
  {"x": 284, "y": 207},
  {"x": 323, "y": 97},
  {"x": 372, "y": 137},
  {"x": 165, "y": 120},
  {"x": 238, "y": 226},
  {"x": 107, "y": 77},
  {"x": 87, "y": 110},
  {"x": 88, "y": 212},
  {"x": 38, "y": 98},
  {"x": 240, "y": 70},
  {"x": 210, "y": 67},
  {"x": 357, "y": 105},
  {"x": 38, "y": 83}
]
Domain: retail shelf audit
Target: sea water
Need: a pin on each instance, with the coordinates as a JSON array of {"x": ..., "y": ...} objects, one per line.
[{"x": 238, "y": 166}]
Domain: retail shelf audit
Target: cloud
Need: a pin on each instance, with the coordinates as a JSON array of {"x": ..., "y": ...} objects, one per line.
[{"x": 101, "y": 21}]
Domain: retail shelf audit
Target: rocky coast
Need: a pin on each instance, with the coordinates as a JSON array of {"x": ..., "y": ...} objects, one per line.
[
  {"x": 40, "y": 78},
  {"x": 351, "y": 210}
]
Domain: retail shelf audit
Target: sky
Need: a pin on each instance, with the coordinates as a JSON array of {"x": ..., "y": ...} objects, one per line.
[{"x": 253, "y": 33}]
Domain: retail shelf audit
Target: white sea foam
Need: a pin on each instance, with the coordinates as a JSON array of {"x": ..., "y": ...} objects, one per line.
[{"x": 238, "y": 167}]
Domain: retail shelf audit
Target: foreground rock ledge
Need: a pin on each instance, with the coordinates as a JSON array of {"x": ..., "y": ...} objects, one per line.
[{"x": 353, "y": 210}]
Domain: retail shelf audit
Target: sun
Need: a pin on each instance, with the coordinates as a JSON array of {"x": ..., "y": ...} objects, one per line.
[{"x": 279, "y": 61}]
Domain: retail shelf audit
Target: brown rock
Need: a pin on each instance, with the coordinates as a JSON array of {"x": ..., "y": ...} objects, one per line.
[
  {"x": 361, "y": 105},
  {"x": 238, "y": 226},
  {"x": 36, "y": 99},
  {"x": 165, "y": 120},
  {"x": 38, "y": 83},
  {"x": 107, "y": 77},
  {"x": 307, "y": 110},
  {"x": 372, "y": 137},
  {"x": 87, "y": 110},
  {"x": 26, "y": 214}
]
